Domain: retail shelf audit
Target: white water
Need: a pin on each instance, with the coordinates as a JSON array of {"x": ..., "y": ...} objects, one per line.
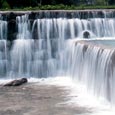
[
  {"x": 3, "y": 29},
  {"x": 73, "y": 28},
  {"x": 23, "y": 25},
  {"x": 77, "y": 95},
  {"x": 93, "y": 66},
  {"x": 54, "y": 52}
]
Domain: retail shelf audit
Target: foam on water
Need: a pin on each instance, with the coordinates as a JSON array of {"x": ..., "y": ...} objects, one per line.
[{"x": 78, "y": 95}]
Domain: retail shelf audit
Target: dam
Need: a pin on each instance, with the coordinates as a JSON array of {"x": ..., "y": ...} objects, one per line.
[{"x": 78, "y": 44}]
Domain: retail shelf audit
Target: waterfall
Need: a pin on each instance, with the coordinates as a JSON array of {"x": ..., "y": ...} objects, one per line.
[
  {"x": 40, "y": 48},
  {"x": 23, "y": 25},
  {"x": 49, "y": 47},
  {"x": 93, "y": 66},
  {"x": 3, "y": 47},
  {"x": 29, "y": 57},
  {"x": 73, "y": 28},
  {"x": 3, "y": 30}
]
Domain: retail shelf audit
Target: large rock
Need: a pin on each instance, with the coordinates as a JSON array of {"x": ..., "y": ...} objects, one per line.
[
  {"x": 17, "y": 82},
  {"x": 86, "y": 34}
]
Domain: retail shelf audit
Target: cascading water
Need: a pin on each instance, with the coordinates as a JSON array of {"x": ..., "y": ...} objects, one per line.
[
  {"x": 21, "y": 51},
  {"x": 93, "y": 66},
  {"x": 3, "y": 46},
  {"x": 3, "y": 30},
  {"x": 23, "y": 25},
  {"x": 74, "y": 28},
  {"x": 47, "y": 48}
]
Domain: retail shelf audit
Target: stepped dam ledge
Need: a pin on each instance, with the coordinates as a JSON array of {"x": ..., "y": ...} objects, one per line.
[
  {"x": 76, "y": 20},
  {"x": 94, "y": 63}
]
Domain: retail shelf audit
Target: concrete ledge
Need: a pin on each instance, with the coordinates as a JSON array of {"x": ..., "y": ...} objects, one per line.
[{"x": 99, "y": 43}]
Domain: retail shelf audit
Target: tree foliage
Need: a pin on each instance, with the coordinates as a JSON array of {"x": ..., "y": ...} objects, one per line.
[{"x": 36, "y": 3}]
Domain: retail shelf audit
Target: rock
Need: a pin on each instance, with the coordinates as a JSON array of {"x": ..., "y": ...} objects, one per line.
[
  {"x": 86, "y": 34},
  {"x": 17, "y": 82}
]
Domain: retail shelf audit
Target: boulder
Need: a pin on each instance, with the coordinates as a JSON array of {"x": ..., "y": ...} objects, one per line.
[
  {"x": 17, "y": 82},
  {"x": 86, "y": 34}
]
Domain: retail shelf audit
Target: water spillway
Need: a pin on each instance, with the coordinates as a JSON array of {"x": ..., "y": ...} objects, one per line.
[
  {"x": 93, "y": 64},
  {"x": 73, "y": 23},
  {"x": 3, "y": 29},
  {"x": 49, "y": 44}
]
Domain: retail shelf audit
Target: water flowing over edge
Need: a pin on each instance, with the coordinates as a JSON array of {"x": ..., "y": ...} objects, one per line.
[{"x": 52, "y": 53}]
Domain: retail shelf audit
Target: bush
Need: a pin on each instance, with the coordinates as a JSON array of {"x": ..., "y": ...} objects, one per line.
[{"x": 6, "y": 6}]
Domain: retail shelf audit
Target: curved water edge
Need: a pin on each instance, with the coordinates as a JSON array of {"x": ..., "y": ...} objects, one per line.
[{"x": 94, "y": 66}]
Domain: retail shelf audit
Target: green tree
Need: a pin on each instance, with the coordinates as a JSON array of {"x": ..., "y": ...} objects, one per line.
[{"x": 4, "y": 4}]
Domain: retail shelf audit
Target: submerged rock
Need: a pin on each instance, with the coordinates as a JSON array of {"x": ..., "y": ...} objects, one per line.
[{"x": 17, "y": 82}]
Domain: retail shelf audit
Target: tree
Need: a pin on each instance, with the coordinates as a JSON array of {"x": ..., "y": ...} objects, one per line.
[{"x": 4, "y": 4}]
